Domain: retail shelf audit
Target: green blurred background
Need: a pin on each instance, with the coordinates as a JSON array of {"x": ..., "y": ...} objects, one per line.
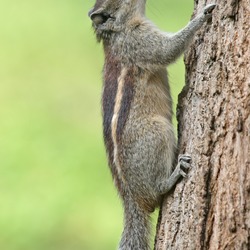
[{"x": 55, "y": 187}]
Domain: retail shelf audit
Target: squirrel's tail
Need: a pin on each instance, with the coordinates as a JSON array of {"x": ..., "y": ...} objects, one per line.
[{"x": 136, "y": 232}]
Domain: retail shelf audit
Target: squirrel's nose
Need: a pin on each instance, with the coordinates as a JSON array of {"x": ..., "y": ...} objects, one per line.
[{"x": 90, "y": 12}]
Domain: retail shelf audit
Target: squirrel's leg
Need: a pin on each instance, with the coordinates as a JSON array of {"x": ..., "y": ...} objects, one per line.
[
  {"x": 184, "y": 164},
  {"x": 177, "y": 43}
]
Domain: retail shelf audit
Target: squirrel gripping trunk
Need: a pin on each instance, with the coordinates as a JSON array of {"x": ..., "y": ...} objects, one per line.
[{"x": 137, "y": 109}]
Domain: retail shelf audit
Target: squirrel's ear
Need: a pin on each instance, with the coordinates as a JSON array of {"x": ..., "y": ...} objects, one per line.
[{"x": 98, "y": 17}]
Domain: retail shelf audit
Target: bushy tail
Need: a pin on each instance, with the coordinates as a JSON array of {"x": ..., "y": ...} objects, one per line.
[{"x": 136, "y": 233}]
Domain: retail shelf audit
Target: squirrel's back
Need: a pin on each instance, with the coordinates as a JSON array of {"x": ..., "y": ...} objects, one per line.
[{"x": 137, "y": 113}]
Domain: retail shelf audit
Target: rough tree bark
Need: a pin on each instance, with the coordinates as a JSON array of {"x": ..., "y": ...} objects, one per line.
[{"x": 211, "y": 208}]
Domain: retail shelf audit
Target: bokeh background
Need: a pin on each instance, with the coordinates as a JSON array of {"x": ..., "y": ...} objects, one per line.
[{"x": 55, "y": 187}]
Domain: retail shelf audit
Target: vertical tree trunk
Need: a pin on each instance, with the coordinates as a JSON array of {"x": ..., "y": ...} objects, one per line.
[{"x": 211, "y": 208}]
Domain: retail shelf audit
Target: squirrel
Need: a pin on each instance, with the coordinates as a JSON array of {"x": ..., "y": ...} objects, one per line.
[{"x": 137, "y": 109}]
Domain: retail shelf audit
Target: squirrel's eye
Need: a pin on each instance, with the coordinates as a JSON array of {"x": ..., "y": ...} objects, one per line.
[{"x": 99, "y": 18}]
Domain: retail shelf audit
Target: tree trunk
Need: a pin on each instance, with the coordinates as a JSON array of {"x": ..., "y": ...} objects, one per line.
[{"x": 211, "y": 208}]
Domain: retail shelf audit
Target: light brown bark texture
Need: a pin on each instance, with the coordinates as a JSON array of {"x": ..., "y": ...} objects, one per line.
[{"x": 211, "y": 208}]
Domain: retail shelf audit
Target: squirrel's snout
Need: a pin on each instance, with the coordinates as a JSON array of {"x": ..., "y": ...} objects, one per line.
[{"x": 90, "y": 12}]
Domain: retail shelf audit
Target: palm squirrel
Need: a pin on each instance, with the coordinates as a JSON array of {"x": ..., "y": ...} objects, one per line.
[{"x": 137, "y": 109}]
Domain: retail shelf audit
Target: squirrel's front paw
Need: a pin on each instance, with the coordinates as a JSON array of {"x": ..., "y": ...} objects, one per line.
[
  {"x": 184, "y": 164},
  {"x": 209, "y": 9}
]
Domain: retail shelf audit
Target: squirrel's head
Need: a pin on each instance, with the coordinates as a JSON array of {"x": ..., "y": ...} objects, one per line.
[{"x": 109, "y": 16}]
